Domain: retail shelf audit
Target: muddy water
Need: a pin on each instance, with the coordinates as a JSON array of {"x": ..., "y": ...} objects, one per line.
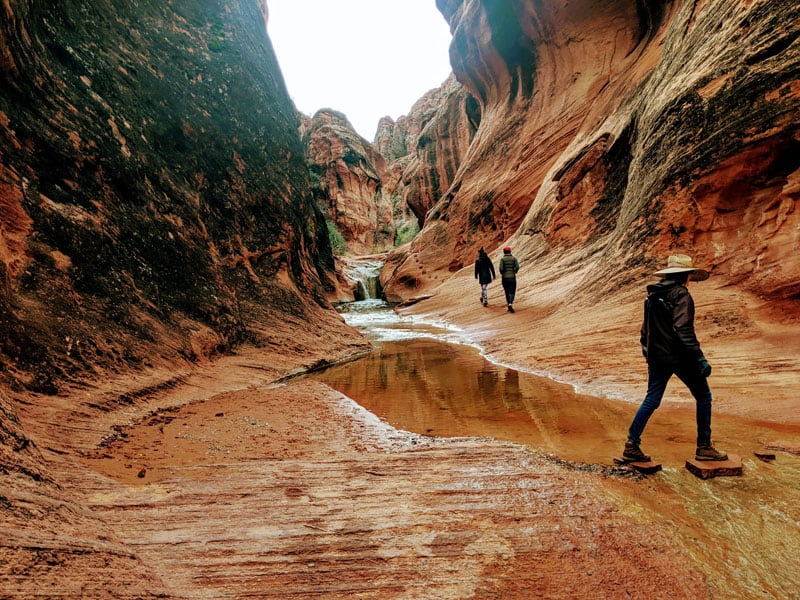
[{"x": 743, "y": 531}]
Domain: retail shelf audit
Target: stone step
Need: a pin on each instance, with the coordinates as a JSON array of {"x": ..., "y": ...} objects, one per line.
[
  {"x": 643, "y": 467},
  {"x": 706, "y": 469}
]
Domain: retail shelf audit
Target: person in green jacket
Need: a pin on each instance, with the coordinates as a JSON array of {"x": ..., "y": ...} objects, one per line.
[{"x": 508, "y": 267}]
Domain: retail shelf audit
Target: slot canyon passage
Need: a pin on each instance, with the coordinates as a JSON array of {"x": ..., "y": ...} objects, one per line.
[{"x": 174, "y": 238}]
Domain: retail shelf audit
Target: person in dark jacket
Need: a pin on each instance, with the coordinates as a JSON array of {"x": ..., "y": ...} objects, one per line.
[
  {"x": 670, "y": 346},
  {"x": 508, "y": 267},
  {"x": 484, "y": 273}
]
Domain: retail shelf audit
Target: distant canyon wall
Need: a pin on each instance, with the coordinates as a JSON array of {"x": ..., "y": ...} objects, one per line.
[
  {"x": 154, "y": 195},
  {"x": 348, "y": 177},
  {"x": 425, "y": 147},
  {"x": 618, "y": 131},
  {"x": 377, "y": 195}
]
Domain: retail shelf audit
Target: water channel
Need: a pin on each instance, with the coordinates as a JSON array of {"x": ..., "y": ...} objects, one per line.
[{"x": 743, "y": 531}]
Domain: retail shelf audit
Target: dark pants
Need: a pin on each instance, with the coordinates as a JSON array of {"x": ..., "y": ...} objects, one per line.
[
  {"x": 657, "y": 378},
  {"x": 510, "y": 288}
]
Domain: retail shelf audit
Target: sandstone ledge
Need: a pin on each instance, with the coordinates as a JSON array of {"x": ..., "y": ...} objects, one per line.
[{"x": 245, "y": 493}]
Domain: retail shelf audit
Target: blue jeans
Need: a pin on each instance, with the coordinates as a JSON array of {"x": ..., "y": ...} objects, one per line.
[
  {"x": 657, "y": 378},
  {"x": 484, "y": 292}
]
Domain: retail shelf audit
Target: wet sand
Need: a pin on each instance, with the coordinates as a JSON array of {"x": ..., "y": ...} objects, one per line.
[
  {"x": 332, "y": 474},
  {"x": 217, "y": 482}
]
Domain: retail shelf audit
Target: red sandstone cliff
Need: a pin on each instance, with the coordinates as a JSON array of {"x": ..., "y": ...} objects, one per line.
[
  {"x": 425, "y": 147},
  {"x": 155, "y": 210},
  {"x": 154, "y": 199},
  {"x": 614, "y": 132},
  {"x": 348, "y": 175},
  {"x": 377, "y": 195}
]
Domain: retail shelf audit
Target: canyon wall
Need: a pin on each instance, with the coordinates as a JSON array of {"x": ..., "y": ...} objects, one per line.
[
  {"x": 155, "y": 201},
  {"x": 155, "y": 210},
  {"x": 425, "y": 148},
  {"x": 376, "y": 196},
  {"x": 348, "y": 177},
  {"x": 614, "y": 132}
]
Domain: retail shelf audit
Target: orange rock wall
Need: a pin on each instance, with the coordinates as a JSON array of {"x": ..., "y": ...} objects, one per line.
[
  {"x": 350, "y": 188},
  {"x": 154, "y": 198},
  {"x": 425, "y": 148},
  {"x": 620, "y": 131}
]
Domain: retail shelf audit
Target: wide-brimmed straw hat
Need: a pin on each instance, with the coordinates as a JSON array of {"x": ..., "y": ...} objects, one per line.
[{"x": 680, "y": 263}]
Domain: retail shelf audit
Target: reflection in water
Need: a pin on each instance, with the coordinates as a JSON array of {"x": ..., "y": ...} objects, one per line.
[
  {"x": 744, "y": 531},
  {"x": 427, "y": 386},
  {"x": 511, "y": 391}
]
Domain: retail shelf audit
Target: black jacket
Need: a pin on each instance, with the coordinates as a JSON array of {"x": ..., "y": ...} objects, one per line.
[
  {"x": 484, "y": 269},
  {"x": 667, "y": 334}
]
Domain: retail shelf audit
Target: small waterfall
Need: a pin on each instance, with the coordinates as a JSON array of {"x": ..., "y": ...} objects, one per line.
[{"x": 365, "y": 276}]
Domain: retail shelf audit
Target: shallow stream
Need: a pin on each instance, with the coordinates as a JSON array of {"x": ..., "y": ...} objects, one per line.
[{"x": 743, "y": 531}]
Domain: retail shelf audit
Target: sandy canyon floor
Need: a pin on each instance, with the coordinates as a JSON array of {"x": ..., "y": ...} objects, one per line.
[{"x": 224, "y": 481}]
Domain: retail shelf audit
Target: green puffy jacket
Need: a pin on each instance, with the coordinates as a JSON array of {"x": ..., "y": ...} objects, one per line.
[{"x": 508, "y": 266}]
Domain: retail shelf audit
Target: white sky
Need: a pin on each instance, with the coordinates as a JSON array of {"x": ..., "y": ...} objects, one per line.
[{"x": 365, "y": 58}]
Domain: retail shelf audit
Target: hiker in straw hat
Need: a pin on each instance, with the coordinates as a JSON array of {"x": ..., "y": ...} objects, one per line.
[{"x": 671, "y": 348}]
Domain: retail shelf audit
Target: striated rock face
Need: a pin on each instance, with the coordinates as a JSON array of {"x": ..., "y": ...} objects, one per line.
[
  {"x": 138, "y": 217},
  {"x": 155, "y": 209},
  {"x": 377, "y": 195},
  {"x": 425, "y": 148},
  {"x": 396, "y": 139},
  {"x": 348, "y": 176},
  {"x": 621, "y": 131}
]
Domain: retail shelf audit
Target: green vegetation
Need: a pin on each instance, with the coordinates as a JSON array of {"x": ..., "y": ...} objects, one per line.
[
  {"x": 338, "y": 245},
  {"x": 406, "y": 233},
  {"x": 216, "y": 41},
  {"x": 316, "y": 181},
  {"x": 352, "y": 158}
]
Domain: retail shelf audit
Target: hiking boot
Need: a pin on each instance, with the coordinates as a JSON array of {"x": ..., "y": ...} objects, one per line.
[
  {"x": 633, "y": 453},
  {"x": 510, "y": 308},
  {"x": 709, "y": 453}
]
